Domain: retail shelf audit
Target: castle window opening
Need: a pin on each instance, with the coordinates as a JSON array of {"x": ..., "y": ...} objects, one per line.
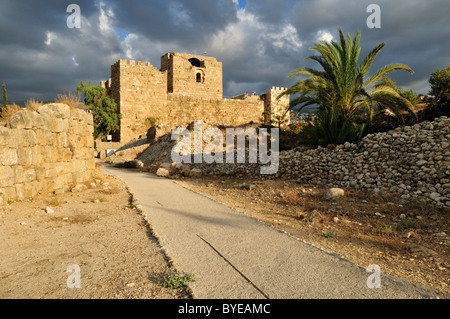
[
  {"x": 195, "y": 62},
  {"x": 199, "y": 77}
]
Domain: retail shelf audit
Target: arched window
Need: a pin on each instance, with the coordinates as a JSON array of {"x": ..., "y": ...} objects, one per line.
[{"x": 198, "y": 77}]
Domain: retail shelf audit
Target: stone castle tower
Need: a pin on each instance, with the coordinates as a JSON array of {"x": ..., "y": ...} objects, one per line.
[{"x": 187, "y": 88}]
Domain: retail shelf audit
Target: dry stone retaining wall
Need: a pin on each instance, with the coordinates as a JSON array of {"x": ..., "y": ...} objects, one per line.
[
  {"x": 413, "y": 161},
  {"x": 45, "y": 151}
]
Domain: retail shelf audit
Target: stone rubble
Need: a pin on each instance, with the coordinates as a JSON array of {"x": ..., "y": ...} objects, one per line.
[{"x": 413, "y": 161}]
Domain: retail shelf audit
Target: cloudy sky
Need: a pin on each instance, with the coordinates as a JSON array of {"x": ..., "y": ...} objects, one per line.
[{"x": 258, "y": 41}]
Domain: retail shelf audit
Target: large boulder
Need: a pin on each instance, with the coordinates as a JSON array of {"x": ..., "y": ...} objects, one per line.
[
  {"x": 163, "y": 172},
  {"x": 196, "y": 173},
  {"x": 58, "y": 110},
  {"x": 23, "y": 119},
  {"x": 333, "y": 194}
]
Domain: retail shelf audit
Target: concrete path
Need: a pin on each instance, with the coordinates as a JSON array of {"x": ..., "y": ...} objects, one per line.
[{"x": 234, "y": 256}]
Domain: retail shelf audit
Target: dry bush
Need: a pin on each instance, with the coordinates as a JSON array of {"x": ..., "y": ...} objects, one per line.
[
  {"x": 33, "y": 104},
  {"x": 8, "y": 111},
  {"x": 72, "y": 100}
]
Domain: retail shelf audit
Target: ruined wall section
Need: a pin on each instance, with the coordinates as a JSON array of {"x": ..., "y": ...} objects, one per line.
[
  {"x": 183, "y": 109},
  {"x": 193, "y": 75},
  {"x": 44, "y": 151},
  {"x": 276, "y": 107},
  {"x": 140, "y": 90}
]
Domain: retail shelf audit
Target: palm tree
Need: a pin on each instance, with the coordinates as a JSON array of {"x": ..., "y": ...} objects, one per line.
[{"x": 345, "y": 85}]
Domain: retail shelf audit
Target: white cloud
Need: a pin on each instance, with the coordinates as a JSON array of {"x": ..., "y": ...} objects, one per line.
[
  {"x": 323, "y": 35},
  {"x": 249, "y": 32},
  {"x": 50, "y": 37},
  {"x": 74, "y": 60},
  {"x": 287, "y": 39},
  {"x": 104, "y": 18},
  {"x": 180, "y": 14},
  {"x": 127, "y": 45}
]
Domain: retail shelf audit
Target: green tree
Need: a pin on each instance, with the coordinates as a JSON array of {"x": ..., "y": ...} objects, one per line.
[
  {"x": 5, "y": 98},
  {"x": 345, "y": 88},
  {"x": 104, "y": 109},
  {"x": 440, "y": 89}
]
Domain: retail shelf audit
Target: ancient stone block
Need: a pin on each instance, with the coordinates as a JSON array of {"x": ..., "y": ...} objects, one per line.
[
  {"x": 78, "y": 115},
  {"x": 56, "y": 110},
  {"x": 60, "y": 125},
  {"x": 19, "y": 192},
  {"x": 26, "y": 156},
  {"x": 4, "y": 136},
  {"x": 31, "y": 189},
  {"x": 28, "y": 138},
  {"x": 7, "y": 177},
  {"x": 21, "y": 120},
  {"x": 8, "y": 156},
  {"x": 163, "y": 172}
]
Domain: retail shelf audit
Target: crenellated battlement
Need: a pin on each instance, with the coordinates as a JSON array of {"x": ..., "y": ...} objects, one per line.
[
  {"x": 132, "y": 63},
  {"x": 280, "y": 89}
]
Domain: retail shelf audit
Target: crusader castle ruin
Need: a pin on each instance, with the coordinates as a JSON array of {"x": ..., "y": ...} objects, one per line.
[{"x": 187, "y": 88}]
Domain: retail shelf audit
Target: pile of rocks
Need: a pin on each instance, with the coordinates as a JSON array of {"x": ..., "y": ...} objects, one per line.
[
  {"x": 176, "y": 169},
  {"x": 413, "y": 161}
]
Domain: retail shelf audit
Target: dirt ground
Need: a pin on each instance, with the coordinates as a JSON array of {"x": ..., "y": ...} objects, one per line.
[
  {"x": 407, "y": 240},
  {"x": 98, "y": 230},
  {"x": 101, "y": 232}
]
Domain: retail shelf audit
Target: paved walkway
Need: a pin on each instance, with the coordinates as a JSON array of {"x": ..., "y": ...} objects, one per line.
[{"x": 235, "y": 256}]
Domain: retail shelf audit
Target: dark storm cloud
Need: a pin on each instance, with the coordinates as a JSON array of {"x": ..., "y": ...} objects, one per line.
[
  {"x": 187, "y": 22},
  {"x": 258, "y": 45},
  {"x": 414, "y": 32}
]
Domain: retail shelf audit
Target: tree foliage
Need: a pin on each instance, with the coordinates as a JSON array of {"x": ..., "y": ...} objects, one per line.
[
  {"x": 440, "y": 89},
  {"x": 344, "y": 89},
  {"x": 104, "y": 109},
  {"x": 5, "y": 98}
]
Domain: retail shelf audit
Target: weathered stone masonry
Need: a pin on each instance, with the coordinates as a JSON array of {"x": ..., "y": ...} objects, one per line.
[
  {"x": 44, "y": 151},
  {"x": 187, "y": 88}
]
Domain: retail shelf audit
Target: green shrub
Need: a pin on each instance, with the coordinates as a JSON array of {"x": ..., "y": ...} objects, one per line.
[
  {"x": 150, "y": 121},
  {"x": 440, "y": 89},
  {"x": 177, "y": 281},
  {"x": 298, "y": 127},
  {"x": 330, "y": 127}
]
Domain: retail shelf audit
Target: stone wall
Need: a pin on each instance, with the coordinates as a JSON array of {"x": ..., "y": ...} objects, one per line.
[
  {"x": 45, "y": 151},
  {"x": 413, "y": 161},
  {"x": 139, "y": 90},
  {"x": 183, "y": 109},
  {"x": 193, "y": 75},
  {"x": 276, "y": 107}
]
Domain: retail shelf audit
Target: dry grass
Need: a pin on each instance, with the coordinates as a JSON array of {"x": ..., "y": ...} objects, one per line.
[
  {"x": 33, "y": 104},
  {"x": 8, "y": 111},
  {"x": 69, "y": 98}
]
